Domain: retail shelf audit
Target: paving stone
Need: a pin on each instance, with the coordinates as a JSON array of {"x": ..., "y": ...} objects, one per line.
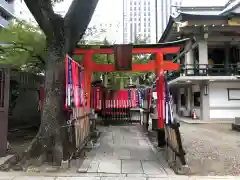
[
  {"x": 113, "y": 166},
  {"x": 33, "y": 178},
  {"x": 84, "y": 166},
  {"x": 123, "y": 178},
  {"x": 78, "y": 178},
  {"x": 137, "y": 175},
  {"x": 122, "y": 154},
  {"x": 152, "y": 167},
  {"x": 131, "y": 166},
  {"x": 112, "y": 175},
  {"x": 6, "y": 177},
  {"x": 93, "y": 167},
  {"x": 213, "y": 178},
  {"x": 160, "y": 178}
]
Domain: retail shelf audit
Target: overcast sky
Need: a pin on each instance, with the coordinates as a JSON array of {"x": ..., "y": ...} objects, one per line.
[{"x": 110, "y": 12}]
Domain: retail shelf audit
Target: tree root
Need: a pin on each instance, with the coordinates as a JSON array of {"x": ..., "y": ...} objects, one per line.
[{"x": 36, "y": 148}]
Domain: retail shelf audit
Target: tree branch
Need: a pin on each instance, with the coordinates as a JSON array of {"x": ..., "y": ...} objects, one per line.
[
  {"x": 77, "y": 20},
  {"x": 40, "y": 14},
  {"x": 50, "y": 23}
]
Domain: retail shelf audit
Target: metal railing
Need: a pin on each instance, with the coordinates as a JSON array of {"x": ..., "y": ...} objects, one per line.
[{"x": 205, "y": 70}]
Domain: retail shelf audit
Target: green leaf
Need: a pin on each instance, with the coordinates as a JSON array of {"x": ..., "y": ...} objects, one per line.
[{"x": 23, "y": 45}]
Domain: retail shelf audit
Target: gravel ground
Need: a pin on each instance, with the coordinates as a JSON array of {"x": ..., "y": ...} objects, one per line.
[{"x": 211, "y": 149}]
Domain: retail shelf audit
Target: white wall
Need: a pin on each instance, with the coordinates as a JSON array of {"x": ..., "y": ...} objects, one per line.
[{"x": 220, "y": 106}]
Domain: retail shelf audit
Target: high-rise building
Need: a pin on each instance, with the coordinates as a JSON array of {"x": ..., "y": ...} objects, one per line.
[
  {"x": 6, "y": 12},
  {"x": 139, "y": 18},
  {"x": 14, "y": 9},
  {"x": 164, "y": 10}
]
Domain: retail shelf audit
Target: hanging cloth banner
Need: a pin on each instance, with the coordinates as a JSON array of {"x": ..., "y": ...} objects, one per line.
[
  {"x": 70, "y": 83},
  {"x": 83, "y": 85},
  {"x": 98, "y": 103},
  {"x": 66, "y": 78},
  {"x": 134, "y": 97},
  {"x": 76, "y": 84},
  {"x": 80, "y": 77},
  {"x": 150, "y": 98},
  {"x": 130, "y": 97},
  {"x": 140, "y": 98},
  {"x": 168, "y": 105}
]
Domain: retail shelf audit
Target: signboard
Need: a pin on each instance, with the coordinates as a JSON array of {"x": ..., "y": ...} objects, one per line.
[{"x": 123, "y": 57}]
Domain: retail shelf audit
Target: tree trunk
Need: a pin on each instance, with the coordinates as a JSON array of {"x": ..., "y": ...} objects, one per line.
[{"x": 52, "y": 136}]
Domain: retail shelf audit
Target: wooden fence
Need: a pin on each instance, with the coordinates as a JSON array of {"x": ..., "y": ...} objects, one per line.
[{"x": 79, "y": 128}]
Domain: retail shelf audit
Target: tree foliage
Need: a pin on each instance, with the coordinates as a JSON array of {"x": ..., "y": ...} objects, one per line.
[{"x": 23, "y": 46}]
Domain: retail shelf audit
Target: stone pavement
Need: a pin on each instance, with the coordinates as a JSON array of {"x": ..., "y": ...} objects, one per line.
[
  {"x": 102, "y": 176},
  {"x": 123, "y": 153},
  {"x": 124, "y": 150},
  {"x": 97, "y": 176}
]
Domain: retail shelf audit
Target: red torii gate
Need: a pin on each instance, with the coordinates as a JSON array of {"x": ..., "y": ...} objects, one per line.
[{"x": 159, "y": 65}]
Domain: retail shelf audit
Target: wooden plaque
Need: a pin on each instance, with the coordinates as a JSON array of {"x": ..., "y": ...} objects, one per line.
[{"x": 123, "y": 57}]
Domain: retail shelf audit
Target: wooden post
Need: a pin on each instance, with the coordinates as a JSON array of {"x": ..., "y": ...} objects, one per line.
[
  {"x": 88, "y": 73},
  {"x": 4, "y": 87},
  {"x": 160, "y": 95}
]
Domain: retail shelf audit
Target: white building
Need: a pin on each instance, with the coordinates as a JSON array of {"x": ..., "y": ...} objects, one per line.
[
  {"x": 164, "y": 10},
  {"x": 6, "y": 12},
  {"x": 208, "y": 80},
  {"x": 139, "y": 18},
  {"x": 14, "y": 9},
  {"x": 214, "y": 7}
]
